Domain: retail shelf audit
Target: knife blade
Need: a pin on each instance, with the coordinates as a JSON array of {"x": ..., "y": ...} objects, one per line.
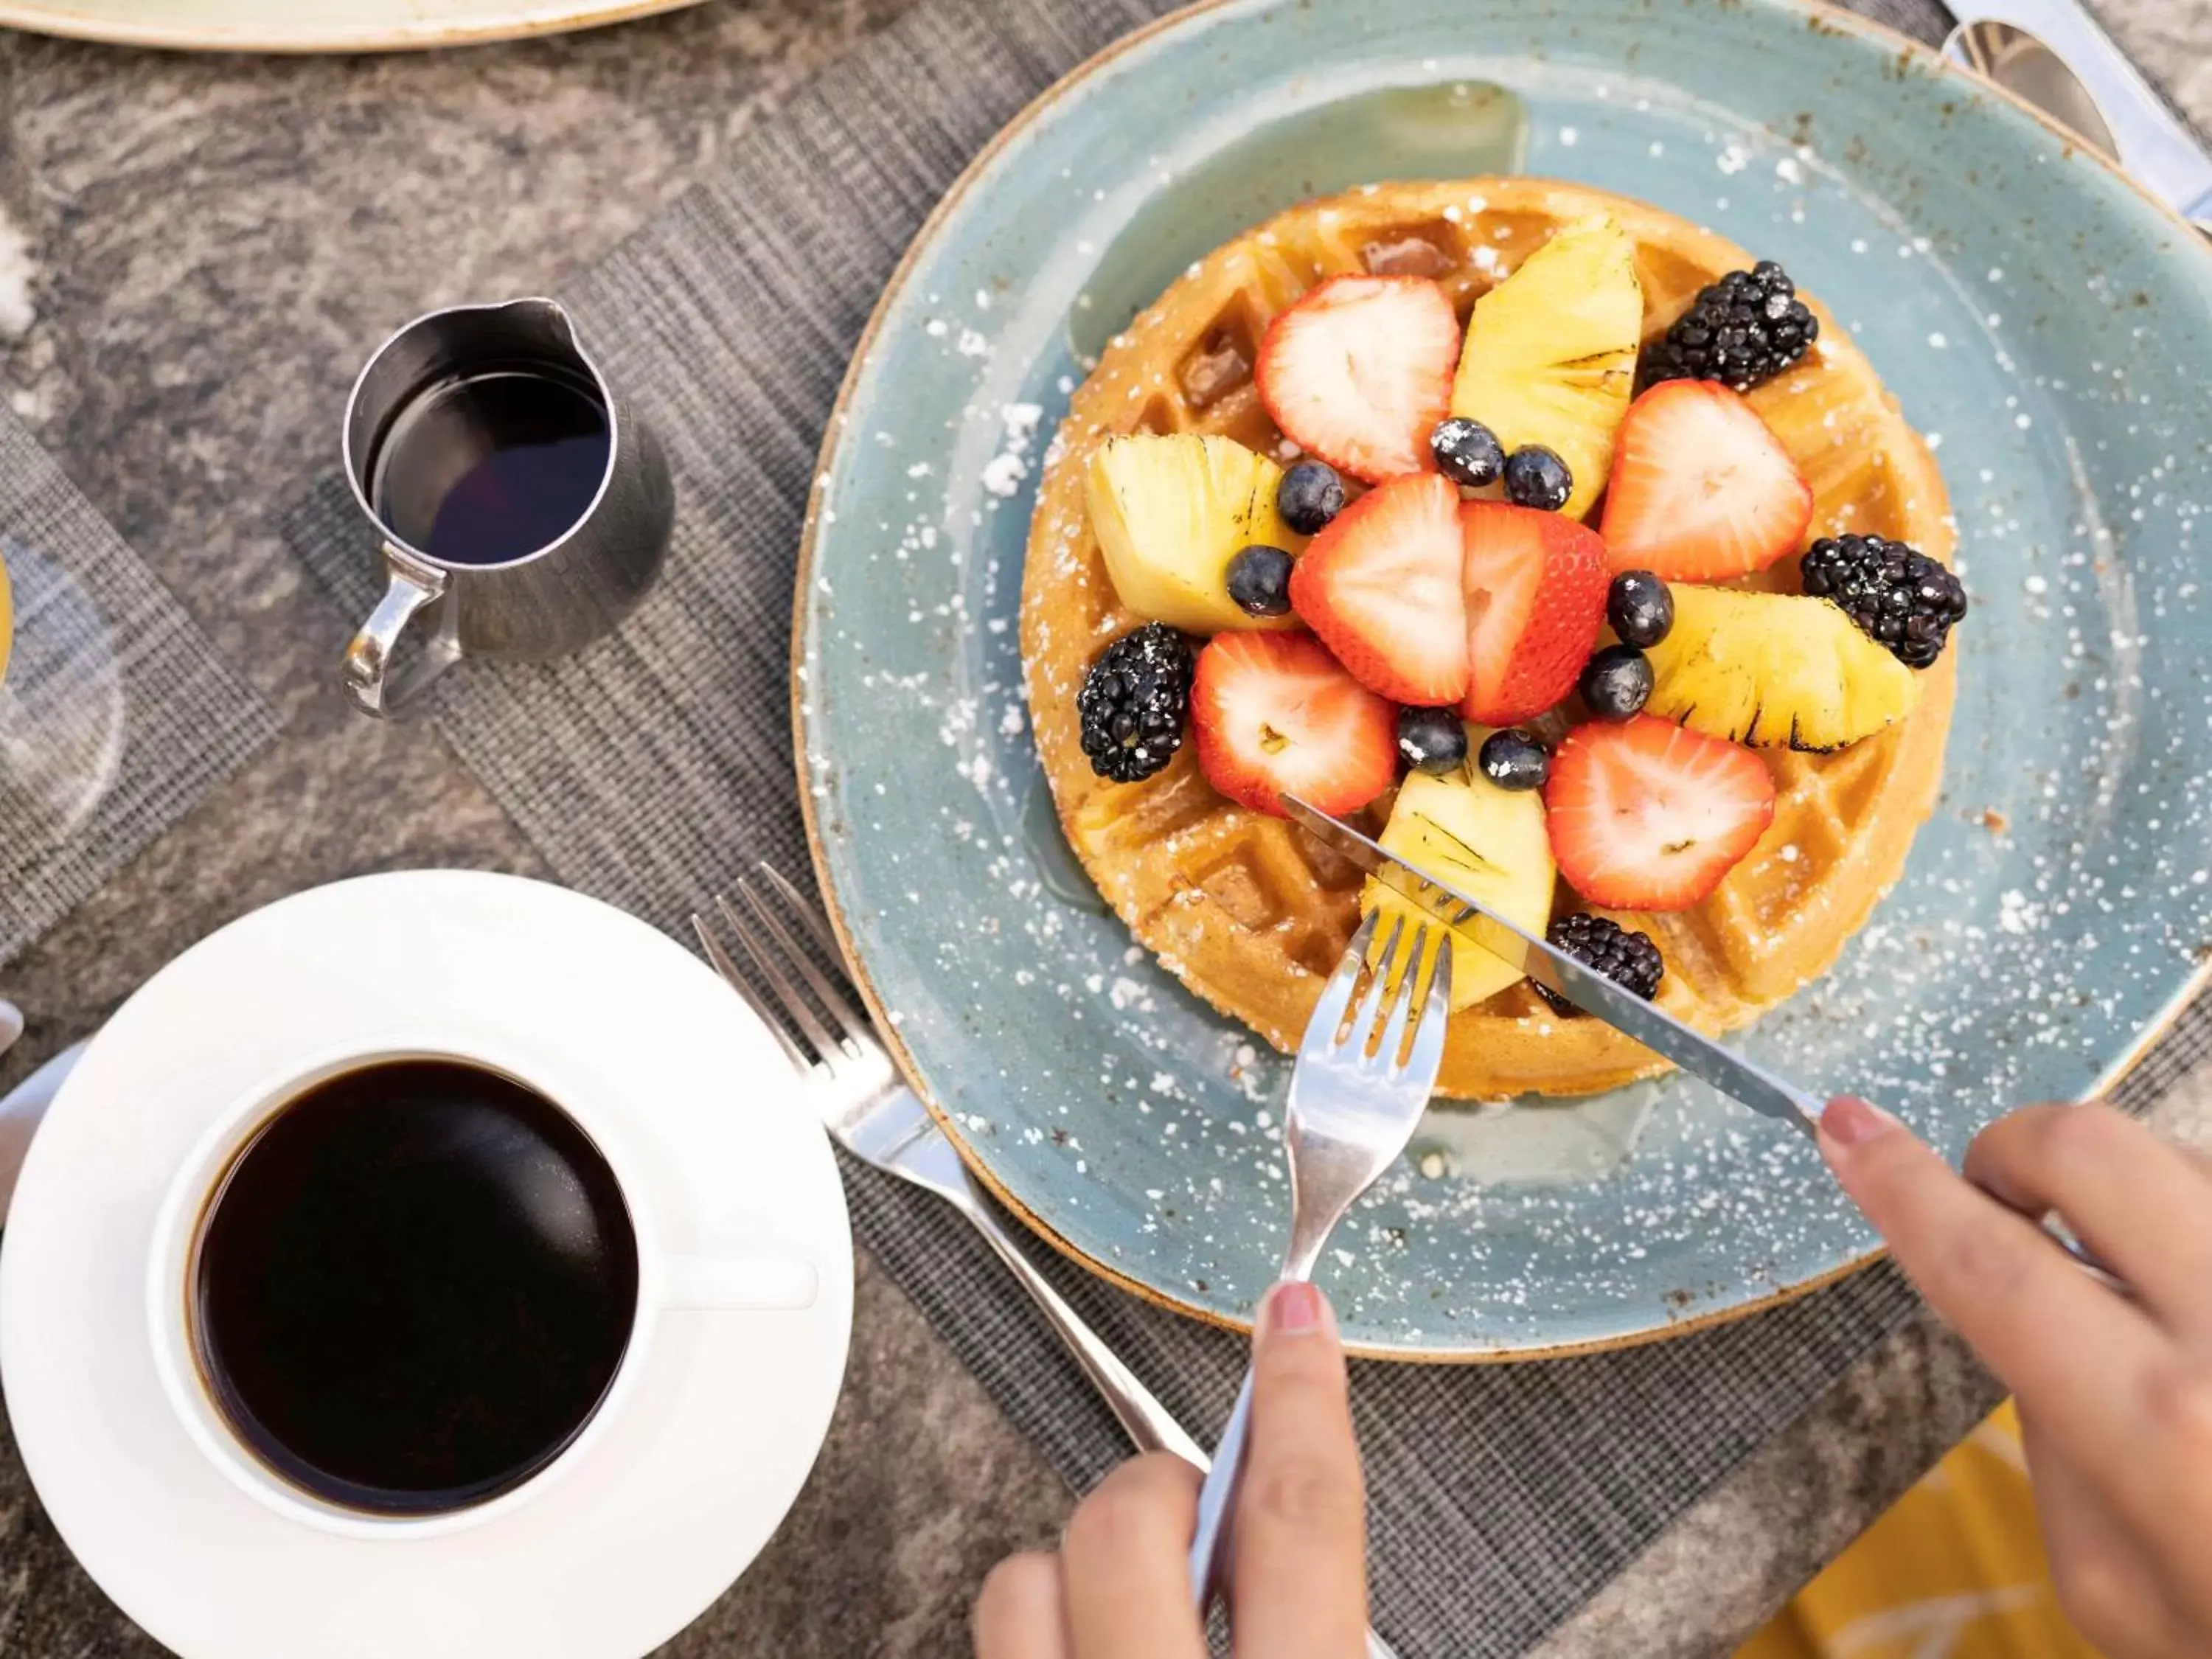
[{"x": 1739, "y": 1079}]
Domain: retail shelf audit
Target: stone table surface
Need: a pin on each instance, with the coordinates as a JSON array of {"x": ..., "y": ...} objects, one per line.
[{"x": 195, "y": 253}]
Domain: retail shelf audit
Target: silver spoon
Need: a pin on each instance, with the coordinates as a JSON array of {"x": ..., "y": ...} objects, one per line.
[
  {"x": 2121, "y": 116},
  {"x": 2021, "y": 62}
]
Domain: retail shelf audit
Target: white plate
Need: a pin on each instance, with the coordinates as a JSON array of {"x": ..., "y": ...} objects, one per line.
[
  {"x": 317, "y": 25},
  {"x": 657, "y": 1516}
]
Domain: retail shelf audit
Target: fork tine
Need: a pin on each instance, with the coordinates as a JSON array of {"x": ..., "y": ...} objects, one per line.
[
  {"x": 808, "y": 912},
  {"x": 744, "y": 987},
  {"x": 771, "y": 967},
  {"x": 1371, "y": 1005},
  {"x": 1336, "y": 996},
  {"x": 1401, "y": 1004},
  {"x": 835, "y": 1002},
  {"x": 1428, "y": 1055}
]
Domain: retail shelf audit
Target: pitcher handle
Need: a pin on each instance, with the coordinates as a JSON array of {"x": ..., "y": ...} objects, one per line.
[{"x": 369, "y": 679}]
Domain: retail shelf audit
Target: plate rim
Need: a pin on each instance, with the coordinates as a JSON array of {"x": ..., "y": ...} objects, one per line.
[
  {"x": 518, "y": 21},
  {"x": 1822, "y": 16}
]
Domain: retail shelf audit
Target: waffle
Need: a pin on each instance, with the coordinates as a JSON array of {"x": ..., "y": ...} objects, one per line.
[{"x": 1250, "y": 911}]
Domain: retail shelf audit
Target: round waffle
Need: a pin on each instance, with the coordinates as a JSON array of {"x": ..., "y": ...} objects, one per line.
[{"x": 1249, "y": 911}]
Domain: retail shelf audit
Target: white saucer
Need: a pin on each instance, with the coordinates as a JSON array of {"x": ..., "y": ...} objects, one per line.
[{"x": 657, "y": 1517}]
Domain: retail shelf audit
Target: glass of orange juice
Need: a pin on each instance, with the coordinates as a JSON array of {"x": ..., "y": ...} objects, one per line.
[{"x": 7, "y": 620}]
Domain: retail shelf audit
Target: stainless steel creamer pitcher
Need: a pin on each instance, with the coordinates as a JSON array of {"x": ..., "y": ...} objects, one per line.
[{"x": 521, "y": 507}]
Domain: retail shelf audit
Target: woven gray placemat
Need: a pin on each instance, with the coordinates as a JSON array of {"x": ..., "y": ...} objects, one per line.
[
  {"x": 115, "y": 714},
  {"x": 648, "y": 769}
]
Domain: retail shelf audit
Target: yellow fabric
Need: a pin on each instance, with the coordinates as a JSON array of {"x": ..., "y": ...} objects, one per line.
[{"x": 1955, "y": 1571}]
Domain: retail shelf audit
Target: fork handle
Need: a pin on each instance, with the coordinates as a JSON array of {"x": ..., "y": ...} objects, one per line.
[
  {"x": 1216, "y": 1505},
  {"x": 1148, "y": 1424}
]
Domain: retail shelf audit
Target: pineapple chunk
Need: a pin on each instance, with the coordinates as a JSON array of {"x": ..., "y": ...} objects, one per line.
[
  {"x": 1170, "y": 512},
  {"x": 1770, "y": 669},
  {"x": 1489, "y": 842},
  {"x": 1550, "y": 356}
]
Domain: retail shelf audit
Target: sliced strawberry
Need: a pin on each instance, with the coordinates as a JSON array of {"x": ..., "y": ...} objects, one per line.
[
  {"x": 1649, "y": 816},
  {"x": 1360, "y": 371},
  {"x": 1381, "y": 587},
  {"x": 1535, "y": 585},
  {"x": 1701, "y": 490},
  {"x": 1274, "y": 714}
]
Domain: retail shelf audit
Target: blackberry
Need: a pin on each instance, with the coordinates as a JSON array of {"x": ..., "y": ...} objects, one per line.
[
  {"x": 1132, "y": 703},
  {"x": 1309, "y": 496},
  {"x": 1744, "y": 329},
  {"x": 1900, "y": 598},
  {"x": 1467, "y": 453},
  {"x": 1536, "y": 478},
  {"x": 1616, "y": 682},
  {"x": 1629, "y": 959},
  {"x": 1514, "y": 759},
  {"x": 1431, "y": 739}
]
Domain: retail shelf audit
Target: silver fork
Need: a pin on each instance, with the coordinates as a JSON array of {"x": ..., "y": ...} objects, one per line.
[
  {"x": 1353, "y": 1102},
  {"x": 871, "y": 1113}
]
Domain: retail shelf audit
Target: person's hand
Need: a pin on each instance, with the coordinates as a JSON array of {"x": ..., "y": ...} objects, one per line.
[
  {"x": 2115, "y": 1394},
  {"x": 1119, "y": 1586}
]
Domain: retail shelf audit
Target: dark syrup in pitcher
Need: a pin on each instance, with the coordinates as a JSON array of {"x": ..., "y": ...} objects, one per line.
[
  {"x": 414, "y": 1286},
  {"x": 489, "y": 466}
]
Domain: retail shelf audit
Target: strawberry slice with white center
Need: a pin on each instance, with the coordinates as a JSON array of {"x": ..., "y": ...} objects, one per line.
[
  {"x": 1535, "y": 585},
  {"x": 1360, "y": 370},
  {"x": 1275, "y": 714},
  {"x": 1649, "y": 816},
  {"x": 1701, "y": 490},
  {"x": 1381, "y": 587}
]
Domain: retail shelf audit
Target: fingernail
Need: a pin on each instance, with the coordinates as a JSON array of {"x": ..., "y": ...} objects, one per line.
[
  {"x": 1294, "y": 1309},
  {"x": 1849, "y": 1121}
]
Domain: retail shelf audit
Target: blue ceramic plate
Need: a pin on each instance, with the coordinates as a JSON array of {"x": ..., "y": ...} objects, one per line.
[{"x": 2046, "y": 326}]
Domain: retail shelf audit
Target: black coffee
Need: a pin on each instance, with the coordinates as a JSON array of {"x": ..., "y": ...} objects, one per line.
[
  {"x": 414, "y": 1286},
  {"x": 488, "y": 466}
]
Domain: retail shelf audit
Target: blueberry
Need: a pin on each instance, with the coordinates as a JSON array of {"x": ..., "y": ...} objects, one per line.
[
  {"x": 1467, "y": 453},
  {"x": 1513, "y": 759},
  {"x": 1309, "y": 496},
  {"x": 1260, "y": 582},
  {"x": 1536, "y": 478},
  {"x": 1431, "y": 739},
  {"x": 1616, "y": 682},
  {"x": 1640, "y": 607}
]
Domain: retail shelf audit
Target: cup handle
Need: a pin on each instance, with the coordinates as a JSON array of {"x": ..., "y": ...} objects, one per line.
[
  {"x": 369, "y": 679},
  {"x": 737, "y": 1282}
]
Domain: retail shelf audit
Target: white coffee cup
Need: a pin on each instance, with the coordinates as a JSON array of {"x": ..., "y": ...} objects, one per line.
[{"x": 761, "y": 1276}]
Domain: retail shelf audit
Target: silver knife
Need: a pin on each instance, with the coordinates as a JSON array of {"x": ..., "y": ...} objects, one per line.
[
  {"x": 1650, "y": 1025},
  {"x": 1555, "y": 970}
]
